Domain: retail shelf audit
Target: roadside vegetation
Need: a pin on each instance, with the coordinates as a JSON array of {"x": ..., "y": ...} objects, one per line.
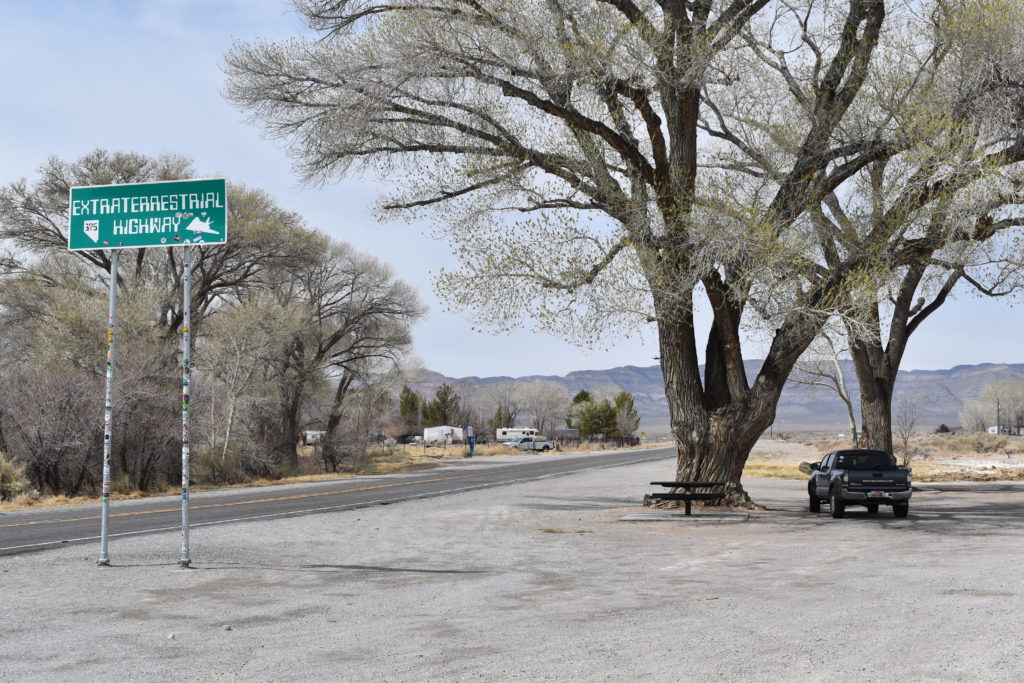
[
  {"x": 386, "y": 459},
  {"x": 290, "y": 328}
]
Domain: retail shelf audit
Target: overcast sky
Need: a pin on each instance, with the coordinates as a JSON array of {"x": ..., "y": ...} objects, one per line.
[{"x": 145, "y": 76}]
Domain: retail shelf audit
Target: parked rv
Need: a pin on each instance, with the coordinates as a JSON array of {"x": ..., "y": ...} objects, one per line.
[{"x": 506, "y": 434}]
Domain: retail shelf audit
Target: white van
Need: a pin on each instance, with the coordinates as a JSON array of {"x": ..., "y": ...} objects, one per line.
[{"x": 505, "y": 434}]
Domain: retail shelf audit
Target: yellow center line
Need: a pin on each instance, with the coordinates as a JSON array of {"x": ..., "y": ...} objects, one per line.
[{"x": 246, "y": 502}]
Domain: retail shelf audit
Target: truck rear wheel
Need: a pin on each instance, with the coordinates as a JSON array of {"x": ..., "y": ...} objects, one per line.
[
  {"x": 901, "y": 510},
  {"x": 837, "y": 503}
]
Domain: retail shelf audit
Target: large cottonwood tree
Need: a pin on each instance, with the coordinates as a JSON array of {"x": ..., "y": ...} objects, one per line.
[
  {"x": 942, "y": 207},
  {"x": 562, "y": 139}
]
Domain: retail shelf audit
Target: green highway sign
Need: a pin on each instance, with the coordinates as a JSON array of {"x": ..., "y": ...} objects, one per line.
[{"x": 164, "y": 214}]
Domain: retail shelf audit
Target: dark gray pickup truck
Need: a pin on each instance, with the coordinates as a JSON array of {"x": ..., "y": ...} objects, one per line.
[{"x": 859, "y": 477}]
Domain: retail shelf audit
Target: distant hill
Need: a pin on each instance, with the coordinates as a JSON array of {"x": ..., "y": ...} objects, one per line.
[{"x": 941, "y": 393}]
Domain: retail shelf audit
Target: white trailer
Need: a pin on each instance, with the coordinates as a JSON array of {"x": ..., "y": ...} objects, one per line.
[
  {"x": 443, "y": 434},
  {"x": 506, "y": 434}
]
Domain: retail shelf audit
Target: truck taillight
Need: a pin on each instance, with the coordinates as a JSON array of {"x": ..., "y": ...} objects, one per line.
[
  {"x": 910, "y": 476},
  {"x": 846, "y": 479}
]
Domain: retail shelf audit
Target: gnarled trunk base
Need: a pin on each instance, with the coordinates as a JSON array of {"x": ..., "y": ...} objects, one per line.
[{"x": 717, "y": 455}]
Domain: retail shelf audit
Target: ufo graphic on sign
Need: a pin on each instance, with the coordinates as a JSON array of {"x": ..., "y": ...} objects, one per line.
[{"x": 201, "y": 227}]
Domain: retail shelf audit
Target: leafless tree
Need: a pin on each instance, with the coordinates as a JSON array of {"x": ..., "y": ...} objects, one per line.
[
  {"x": 503, "y": 401},
  {"x": 908, "y": 411},
  {"x": 358, "y": 317},
  {"x": 821, "y": 366},
  {"x": 240, "y": 339},
  {"x": 547, "y": 403},
  {"x": 50, "y": 426},
  {"x": 975, "y": 416}
]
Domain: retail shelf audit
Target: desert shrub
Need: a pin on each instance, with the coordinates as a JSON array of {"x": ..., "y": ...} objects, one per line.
[
  {"x": 988, "y": 443},
  {"x": 355, "y": 461},
  {"x": 12, "y": 478},
  {"x": 978, "y": 443},
  {"x": 215, "y": 467},
  {"x": 236, "y": 466},
  {"x": 122, "y": 484}
]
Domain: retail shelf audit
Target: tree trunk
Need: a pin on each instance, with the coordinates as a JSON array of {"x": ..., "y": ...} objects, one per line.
[
  {"x": 717, "y": 423},
  {"x": 227, "y": 429},
  {"x": 874, "y": 371},
  {"x": 712, "y": 445},
  {"x": 720, "y": 453},
  {"x": 878, "y": 367},
  {"x": 286, "y": 449},
  {"x": 333, "y": 420},
  {"x": 876, "y": 420}
]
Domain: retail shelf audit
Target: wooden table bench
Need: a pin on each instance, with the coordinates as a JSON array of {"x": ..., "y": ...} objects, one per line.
[{"x": 688, "y": 493}]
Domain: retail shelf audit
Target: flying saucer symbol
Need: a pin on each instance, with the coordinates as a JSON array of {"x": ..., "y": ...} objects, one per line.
[{"x": 200, "y": 227}]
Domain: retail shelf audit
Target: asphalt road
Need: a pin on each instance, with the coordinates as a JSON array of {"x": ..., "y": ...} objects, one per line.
[{"x": 33, "y": 530}]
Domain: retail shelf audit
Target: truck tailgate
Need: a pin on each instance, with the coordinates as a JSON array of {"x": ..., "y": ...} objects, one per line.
[{"x": 878, "y": 480}]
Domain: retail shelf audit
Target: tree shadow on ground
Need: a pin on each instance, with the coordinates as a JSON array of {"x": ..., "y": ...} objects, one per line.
[
  {"x": 943, "y": 511},
  {"x": 577, "y": 503}
]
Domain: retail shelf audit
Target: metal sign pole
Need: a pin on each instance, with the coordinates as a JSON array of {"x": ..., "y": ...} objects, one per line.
[
  {"x": 186, "y": 361},
  {"x": 108, "y": 413}
]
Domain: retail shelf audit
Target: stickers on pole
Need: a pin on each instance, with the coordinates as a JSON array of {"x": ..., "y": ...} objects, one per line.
[{"x": 164, "y": 214}]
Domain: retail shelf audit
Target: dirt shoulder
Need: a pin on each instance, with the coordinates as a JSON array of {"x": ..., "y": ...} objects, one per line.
[{"x": 538, "y": 581}]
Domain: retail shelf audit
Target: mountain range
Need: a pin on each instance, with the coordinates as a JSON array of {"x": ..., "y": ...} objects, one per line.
[{"x": 940, "y": 394}]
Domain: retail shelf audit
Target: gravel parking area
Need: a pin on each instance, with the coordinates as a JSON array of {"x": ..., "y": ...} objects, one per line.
[{"x": 541, "y": 581}]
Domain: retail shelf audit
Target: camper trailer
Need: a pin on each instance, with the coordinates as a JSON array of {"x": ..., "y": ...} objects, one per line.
[{"x": 506, "y": 434}]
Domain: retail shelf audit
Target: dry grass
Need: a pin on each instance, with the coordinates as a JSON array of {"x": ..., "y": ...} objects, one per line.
[
  {"x": 378, "y": 462},
  {"x": 298, "y": 479},
  {"x": 764, "y": 469},
  {"x": 934, "y": 457},
  {"x": 26, "y": 500}
]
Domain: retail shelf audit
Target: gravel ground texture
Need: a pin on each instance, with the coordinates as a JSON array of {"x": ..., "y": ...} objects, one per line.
[{"x": 541, "y": 581}]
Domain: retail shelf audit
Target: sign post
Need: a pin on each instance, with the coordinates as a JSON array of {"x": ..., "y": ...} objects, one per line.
[
  {"x": 186, "y": 361},
  {"x": 108, "y": 413},
  {"x": 161, "y": 214}
]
